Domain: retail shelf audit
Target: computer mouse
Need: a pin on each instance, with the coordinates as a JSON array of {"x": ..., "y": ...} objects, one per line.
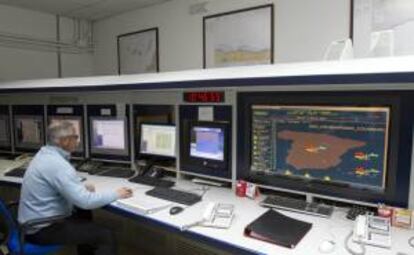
[
  {"x": 176, "y": 210},
  {"x": 327, "y": 246}
]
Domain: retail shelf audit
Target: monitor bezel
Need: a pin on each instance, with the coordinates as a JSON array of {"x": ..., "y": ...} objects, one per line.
[
  {"x": 399, "y": 153},
  {"x": 156, "y": 157},
  {"x": 108, "y": 153},
  {"x": 203, "y": 164},
  {"x": 6, "y": 145}
]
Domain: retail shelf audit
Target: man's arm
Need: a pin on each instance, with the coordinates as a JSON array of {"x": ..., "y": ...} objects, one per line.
[{"x": 69, "y": 186}]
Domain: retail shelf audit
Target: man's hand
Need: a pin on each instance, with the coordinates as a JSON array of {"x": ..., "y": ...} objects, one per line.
[
  {"x": 90, "y": 187},
  {"x": 124, "y": 192}
]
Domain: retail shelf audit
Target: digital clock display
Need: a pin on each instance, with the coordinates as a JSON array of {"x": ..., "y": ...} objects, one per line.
[{"x": 204, "y": 97}]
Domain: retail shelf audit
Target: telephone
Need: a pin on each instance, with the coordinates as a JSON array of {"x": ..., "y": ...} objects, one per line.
[
  {"x": 148, "y": 169},
  {"x": 372, "y": 230},
  {"x": 23, "y": 160},
  {"x": 90, "y": 166},
  {"x": 215, "y": 215}
]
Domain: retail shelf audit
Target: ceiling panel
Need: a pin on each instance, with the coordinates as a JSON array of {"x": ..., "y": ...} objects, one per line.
[{"x": 84, "y": 9}]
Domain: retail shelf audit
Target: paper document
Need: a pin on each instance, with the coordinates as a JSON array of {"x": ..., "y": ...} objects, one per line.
[{"x": 142, "y": 205}]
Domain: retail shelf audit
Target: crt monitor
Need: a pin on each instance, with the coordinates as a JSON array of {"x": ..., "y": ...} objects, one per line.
[
  {"x": 109, "y": 136},
  {"x": 76, "y": 121},
  {"x": 157, "y": 141},
  {"x": 4, "y": 131},
  {"x": 29, "y": 131}
]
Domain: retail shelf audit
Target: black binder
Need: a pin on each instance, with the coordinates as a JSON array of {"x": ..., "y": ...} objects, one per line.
[{"x": 277, "y": 228}]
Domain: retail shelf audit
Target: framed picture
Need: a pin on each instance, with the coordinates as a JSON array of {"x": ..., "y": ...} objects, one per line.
[
  {"x": 237, "y": 38},
  {"x": 138, "y": 52},
  {"x": 382, "y": 27}
]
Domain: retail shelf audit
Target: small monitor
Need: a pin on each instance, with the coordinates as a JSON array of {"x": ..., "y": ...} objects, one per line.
[
  {"x": 29, "y": 131},
  {"x": 205, "y": 147},
  {"x": 207, "y": 142},
  {"x": 4, "y": 131},
  {"x": 76, "y": 121},
  {"x": 158, "y": 140},
  {"x": 109, "y": 136}
]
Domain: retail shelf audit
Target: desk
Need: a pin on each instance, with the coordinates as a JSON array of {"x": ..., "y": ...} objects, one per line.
[{"x": 245, "y": 211}]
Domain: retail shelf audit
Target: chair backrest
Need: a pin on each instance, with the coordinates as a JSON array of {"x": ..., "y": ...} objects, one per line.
[{"x": 8, "y": 224}]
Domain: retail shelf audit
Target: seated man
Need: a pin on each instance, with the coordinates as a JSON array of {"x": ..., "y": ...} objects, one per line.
[{"x": 52, "y": 188}]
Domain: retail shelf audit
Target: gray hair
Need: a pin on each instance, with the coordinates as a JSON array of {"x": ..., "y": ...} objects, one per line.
[{"x": 59, "y": 130}]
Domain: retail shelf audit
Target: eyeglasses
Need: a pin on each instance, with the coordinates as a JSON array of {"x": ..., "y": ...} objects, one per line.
[{"x": 73, "y": 136}]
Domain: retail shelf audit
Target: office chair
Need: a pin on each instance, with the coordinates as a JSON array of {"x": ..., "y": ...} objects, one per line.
[{"x": 14, "y": 234}]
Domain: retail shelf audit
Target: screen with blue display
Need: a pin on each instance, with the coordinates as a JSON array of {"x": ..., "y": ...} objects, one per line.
[
  {"x": 328, "y": 143},
  {"x": 207, "y": 143}
]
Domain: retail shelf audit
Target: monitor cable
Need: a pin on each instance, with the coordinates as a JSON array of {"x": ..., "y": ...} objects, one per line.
[
  {"x": 350, "y": 250},
  {"x": 411, "y": 242}
]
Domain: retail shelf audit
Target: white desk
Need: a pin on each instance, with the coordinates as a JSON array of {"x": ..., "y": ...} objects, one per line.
[{"x": 246, "y": 210}]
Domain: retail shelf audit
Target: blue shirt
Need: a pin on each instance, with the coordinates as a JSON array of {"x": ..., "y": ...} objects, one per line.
[{"x": 51, "y": 188}]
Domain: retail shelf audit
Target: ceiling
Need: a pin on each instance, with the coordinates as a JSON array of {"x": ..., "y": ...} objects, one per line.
[{"x": 83, "y": 9}]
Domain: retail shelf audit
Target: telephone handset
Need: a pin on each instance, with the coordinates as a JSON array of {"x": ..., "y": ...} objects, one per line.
[
  {"x": 215, "y": 215},
  {"x": 89, "y": 166},
  {"x": 148, "y": 169},
  {"x": 372, "y": 230}
]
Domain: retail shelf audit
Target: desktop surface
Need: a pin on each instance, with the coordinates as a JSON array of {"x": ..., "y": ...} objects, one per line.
[{"x": 246, "y": 210}]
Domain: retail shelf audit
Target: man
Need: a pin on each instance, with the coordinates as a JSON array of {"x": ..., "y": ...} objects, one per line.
[{"x": 52, "y": 188}]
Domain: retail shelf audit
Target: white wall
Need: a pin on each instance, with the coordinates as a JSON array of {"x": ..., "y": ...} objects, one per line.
[
  {"x": 303, "y": 30},
  {"x": 16, "y": 64}
]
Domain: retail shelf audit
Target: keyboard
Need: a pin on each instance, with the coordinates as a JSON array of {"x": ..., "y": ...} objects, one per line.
[
  {"x": 297, "y": 205},
  {"x": 117, "y": 172},
  {"x": 173, "y": 195},
  {"x": 151, "y": 181},
  {"x": 17, "y": 172}
]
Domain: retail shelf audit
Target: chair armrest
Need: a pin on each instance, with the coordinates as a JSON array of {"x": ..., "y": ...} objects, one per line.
[
  {"x": 31, "y": 223},
  {"x": 36, "y": 222},
  {"x": 12, "y": 204}
]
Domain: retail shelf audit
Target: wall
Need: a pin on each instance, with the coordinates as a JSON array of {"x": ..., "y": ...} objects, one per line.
[
  {"x": 303, "y": 30},
  {"x": 18, "y": 63}
]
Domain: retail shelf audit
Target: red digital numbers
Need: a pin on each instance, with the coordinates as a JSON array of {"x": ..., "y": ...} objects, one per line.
[{"x": 204, "y": 97}]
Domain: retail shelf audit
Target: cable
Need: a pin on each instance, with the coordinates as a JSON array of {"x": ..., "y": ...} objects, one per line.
[
  {"x": 411, "y": 242},
  {"x": 349, "y": 249}
]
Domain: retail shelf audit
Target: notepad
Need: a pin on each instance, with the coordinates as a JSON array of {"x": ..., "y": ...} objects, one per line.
[
  {"x": 142, "y": 205},
  {"x": 278, "y": 228}
]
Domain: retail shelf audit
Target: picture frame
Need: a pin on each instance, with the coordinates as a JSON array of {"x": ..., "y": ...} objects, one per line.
[
  {"x": 382, "y": 27},
  {"x": 138, "y": 52},
  {"x": 233, "y": 38}
]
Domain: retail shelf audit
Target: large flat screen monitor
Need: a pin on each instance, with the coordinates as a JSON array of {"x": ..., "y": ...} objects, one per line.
[
  {"x": 76, "y": 121},
  {"x": 109, "y": 136},
  {"x": 5, "y": 140},
  {"x": 29, "y": 131},
  {"x": 347, "y": 145},
  {"x": 334, "y": 144},
  {"x": 158, "y": 140}
]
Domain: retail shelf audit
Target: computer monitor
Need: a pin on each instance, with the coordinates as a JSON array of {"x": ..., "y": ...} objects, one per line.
[
  {"x": 348, "y": 145},
  {"x": 158, "y": 140},
  {"x": 29, "y": 131},
  {"x": 76, "y": 121},
  {"x": 109, "y": 136},
  {"x": 341, "y": 145},
  {"x": 4, "y": 131},
  {"x": 205, "y": 147}
]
